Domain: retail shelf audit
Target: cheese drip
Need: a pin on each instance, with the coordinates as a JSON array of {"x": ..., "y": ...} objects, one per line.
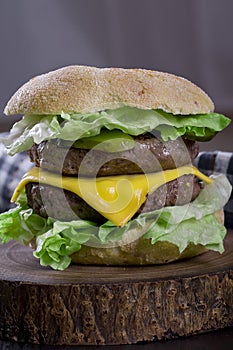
[{"x": 117, "y": 198}]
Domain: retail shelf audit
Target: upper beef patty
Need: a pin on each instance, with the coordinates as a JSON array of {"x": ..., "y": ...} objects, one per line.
[{"x": 149, "y": 155}]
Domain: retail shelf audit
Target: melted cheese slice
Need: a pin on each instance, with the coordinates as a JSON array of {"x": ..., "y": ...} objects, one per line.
[{"x": 117, "y": 198}]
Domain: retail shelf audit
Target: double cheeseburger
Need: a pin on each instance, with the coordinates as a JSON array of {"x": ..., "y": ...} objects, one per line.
[{"x": 113, "y": 181}]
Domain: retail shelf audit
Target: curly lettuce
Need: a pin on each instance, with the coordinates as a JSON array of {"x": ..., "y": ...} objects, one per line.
[{"x": 133, "y": 121}]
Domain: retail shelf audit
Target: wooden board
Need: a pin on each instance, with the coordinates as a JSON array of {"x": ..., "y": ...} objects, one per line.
[{"x": 87, "y": 305}]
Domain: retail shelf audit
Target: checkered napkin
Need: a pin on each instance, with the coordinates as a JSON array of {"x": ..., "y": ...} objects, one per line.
[
  {"x": 11, "y": 171},
  {"x": 13, "y": 168},
  {"x": 214, "y": 163}
]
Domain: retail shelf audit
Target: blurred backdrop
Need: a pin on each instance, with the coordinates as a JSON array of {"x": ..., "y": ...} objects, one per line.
[{"x": 189, "y": 38}]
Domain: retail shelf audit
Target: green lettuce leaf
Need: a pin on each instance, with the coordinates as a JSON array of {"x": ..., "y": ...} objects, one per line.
[
  {"x": 36, "y": 128},
  {"x": 180, "y": 225},
  {"x": 208, "y": 232},
  {"x": 21, "y": 223}
]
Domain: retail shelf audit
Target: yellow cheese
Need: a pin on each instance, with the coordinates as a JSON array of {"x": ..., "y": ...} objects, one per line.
[{"x": 115, "y": 197}]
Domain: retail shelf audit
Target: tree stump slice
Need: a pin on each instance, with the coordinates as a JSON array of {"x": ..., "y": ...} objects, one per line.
[{"x": 89, "y": 305}]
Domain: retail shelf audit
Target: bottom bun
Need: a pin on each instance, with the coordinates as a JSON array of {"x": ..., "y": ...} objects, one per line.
[{"x": 139, "y": 252}]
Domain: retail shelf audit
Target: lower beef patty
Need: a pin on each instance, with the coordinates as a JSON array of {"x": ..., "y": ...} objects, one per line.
[
  {"x": 66, "y": 206},
  {"x": 149, "y": 155}
]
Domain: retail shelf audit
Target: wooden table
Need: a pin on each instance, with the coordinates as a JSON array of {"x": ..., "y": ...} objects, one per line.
[{"x": 116, "y": 305}]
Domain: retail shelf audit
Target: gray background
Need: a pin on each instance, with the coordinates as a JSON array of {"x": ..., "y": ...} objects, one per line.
[{"x": 191, "y": 38}]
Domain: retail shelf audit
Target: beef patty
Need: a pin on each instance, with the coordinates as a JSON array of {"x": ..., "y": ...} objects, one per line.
[
  {"x": 149, "y": 155},
  {"x": 66, "y": 206}
]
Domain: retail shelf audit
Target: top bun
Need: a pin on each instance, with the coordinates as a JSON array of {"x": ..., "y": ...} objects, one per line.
[{"x": 85, "y": 89}]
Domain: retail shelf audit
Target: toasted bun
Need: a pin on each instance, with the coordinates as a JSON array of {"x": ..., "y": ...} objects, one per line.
[
  {"x": 89, "y": 89},
  {"x": 139, "y": 252}
]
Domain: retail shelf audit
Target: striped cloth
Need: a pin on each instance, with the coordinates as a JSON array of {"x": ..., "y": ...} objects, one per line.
[
  {"x": 215, "y": 163},
  {"x": 13, "y": 168}
]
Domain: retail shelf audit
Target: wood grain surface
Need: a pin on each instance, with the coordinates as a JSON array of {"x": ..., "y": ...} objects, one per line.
[{"x": 86, "y": 305}]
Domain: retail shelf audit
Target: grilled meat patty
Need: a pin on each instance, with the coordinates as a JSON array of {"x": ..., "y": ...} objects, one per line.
[
  {"x": 65, "y": 205},
  {"x": 149, "y": 155}
]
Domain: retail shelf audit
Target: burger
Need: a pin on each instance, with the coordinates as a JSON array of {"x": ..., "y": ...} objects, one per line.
[{"x": 113, "y": 181}]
